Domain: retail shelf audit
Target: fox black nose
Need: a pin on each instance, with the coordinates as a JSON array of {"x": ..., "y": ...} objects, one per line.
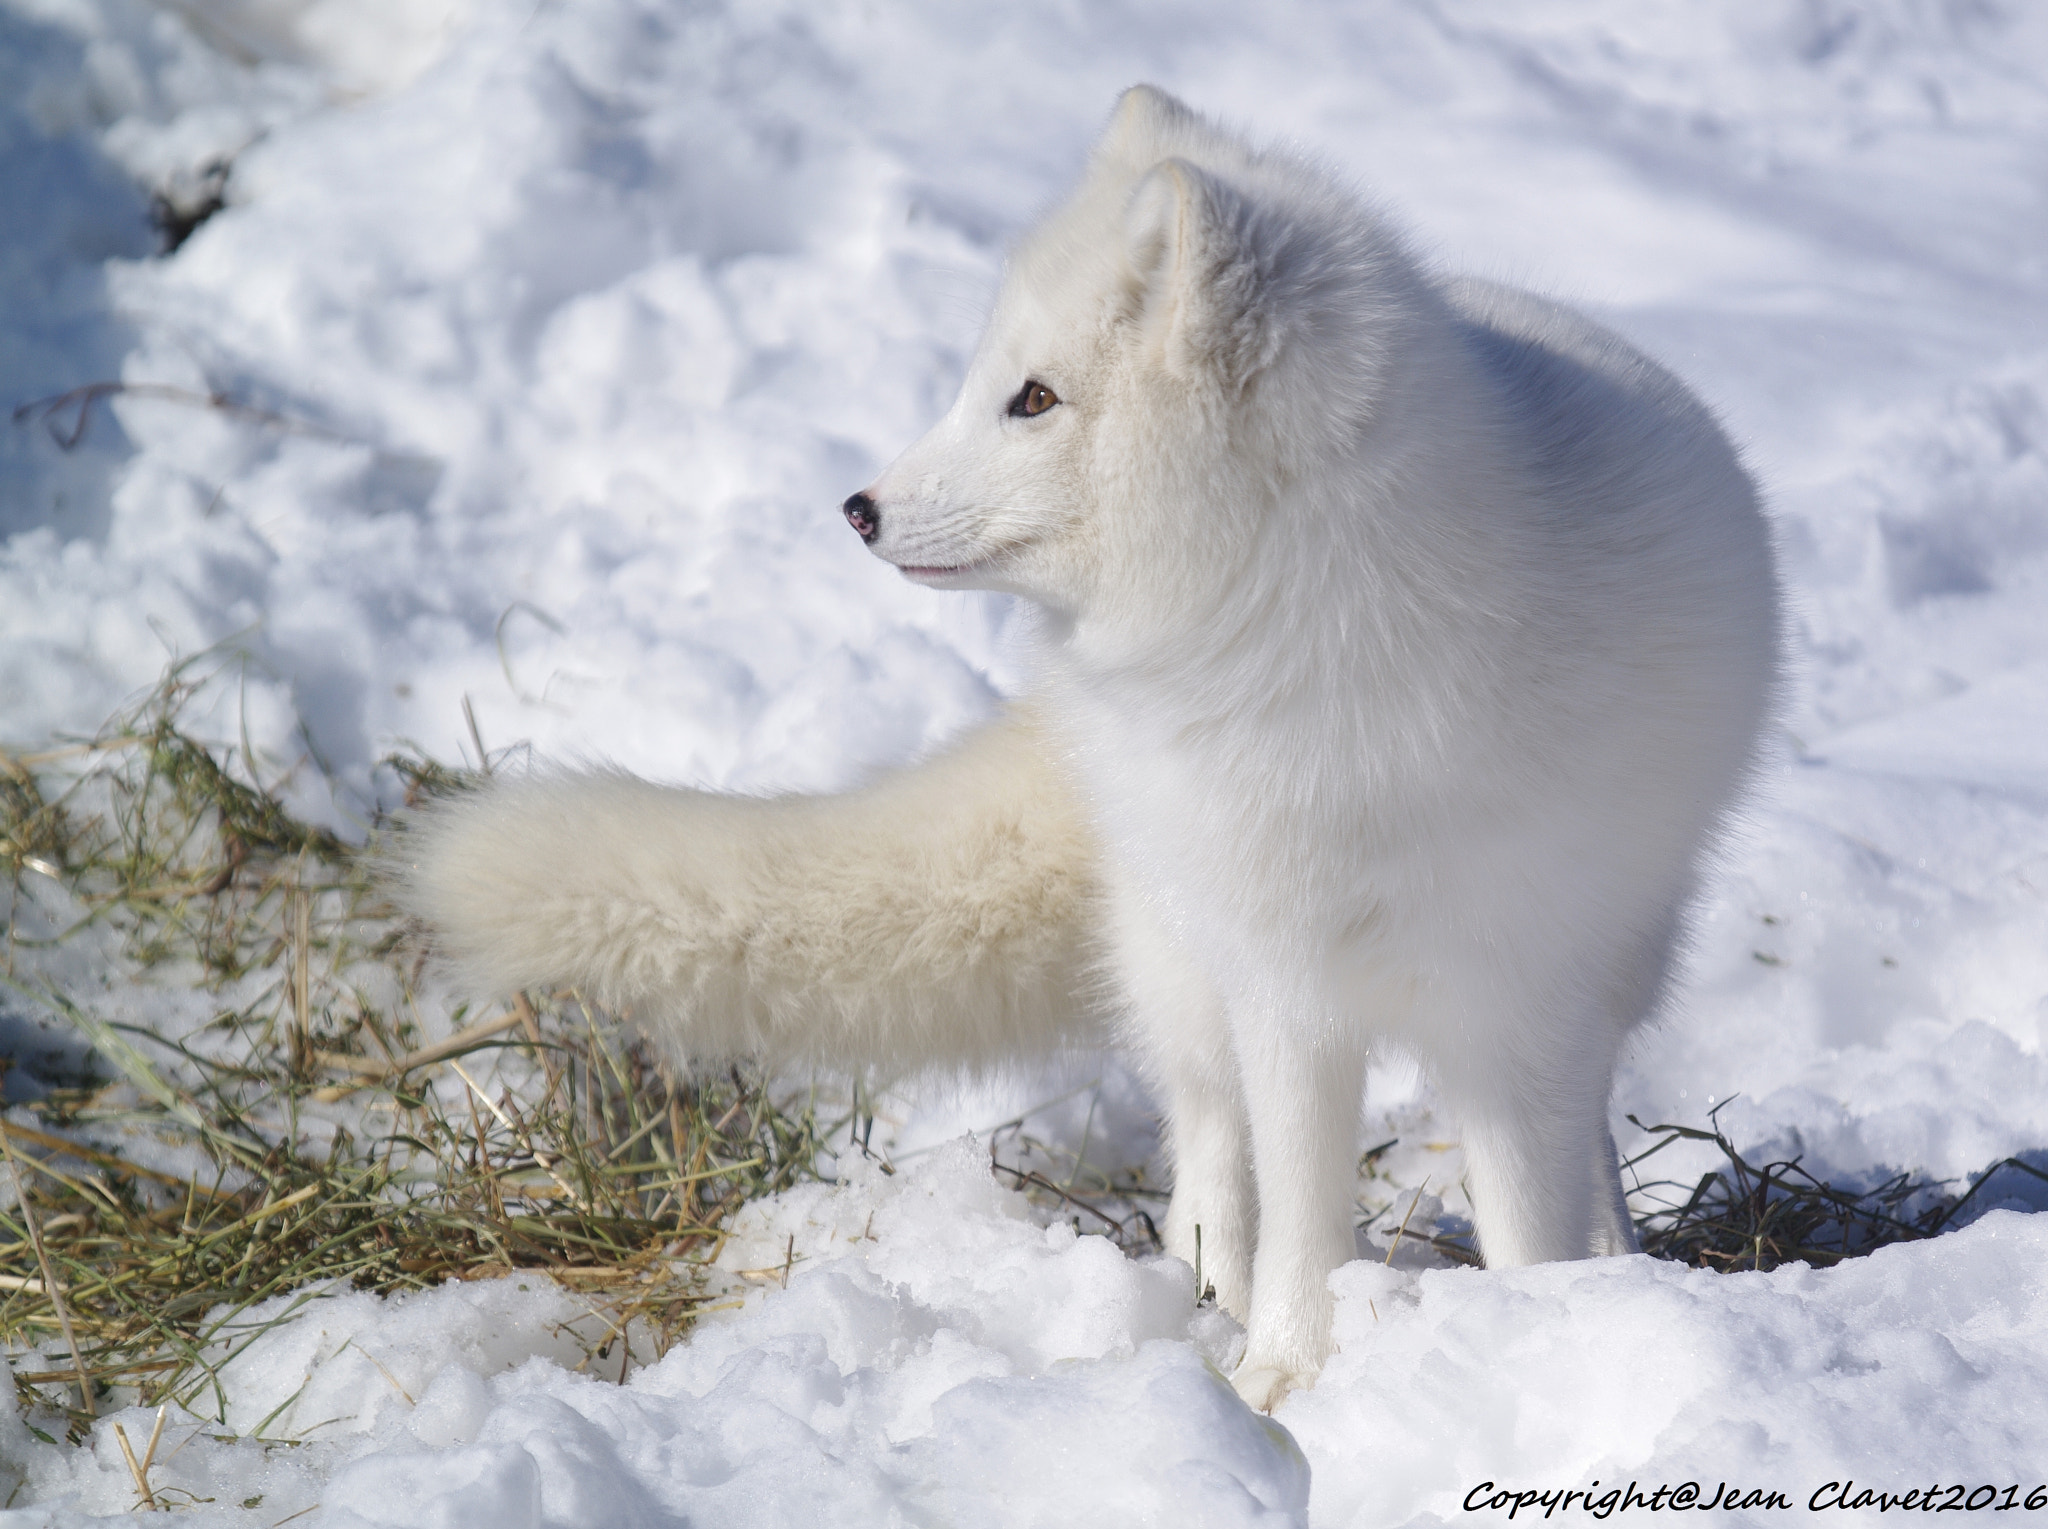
[{"x": 864, "y": 515}]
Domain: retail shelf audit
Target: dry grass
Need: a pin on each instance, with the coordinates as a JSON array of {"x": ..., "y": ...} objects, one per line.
[
  {"x": 311, "y": 1132},
  {"x": 1740, "y": 1215}
]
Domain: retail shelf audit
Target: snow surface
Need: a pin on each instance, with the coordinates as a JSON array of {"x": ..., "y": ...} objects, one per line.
[{"x": 575, "y": 322}]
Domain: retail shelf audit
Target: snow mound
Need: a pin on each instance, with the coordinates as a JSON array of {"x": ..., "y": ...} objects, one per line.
[{"x": 941, "y": 1354}]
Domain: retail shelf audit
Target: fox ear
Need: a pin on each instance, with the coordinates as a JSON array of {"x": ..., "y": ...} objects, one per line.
[
  {"x": 1195, "y": 274},
  {"x": 1146, "y": 126}
]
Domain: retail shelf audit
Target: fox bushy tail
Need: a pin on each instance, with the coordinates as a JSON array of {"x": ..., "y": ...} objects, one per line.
[{"x": 941, "y": 915}]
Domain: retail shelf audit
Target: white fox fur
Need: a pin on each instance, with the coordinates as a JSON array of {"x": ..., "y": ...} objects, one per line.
[{"x": 1402, "y": 644}]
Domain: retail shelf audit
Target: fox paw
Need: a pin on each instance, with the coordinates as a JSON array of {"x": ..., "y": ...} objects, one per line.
[{"x": 1264, "y": 1387}]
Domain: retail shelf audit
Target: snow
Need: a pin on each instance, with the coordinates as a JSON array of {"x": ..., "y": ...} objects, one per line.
[
  {"x": 939, "y": 1356},
  {"x": 571, "y": 324}
]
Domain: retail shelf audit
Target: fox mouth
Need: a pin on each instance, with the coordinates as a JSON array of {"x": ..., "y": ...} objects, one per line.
[{"x": 944, "y": 574}]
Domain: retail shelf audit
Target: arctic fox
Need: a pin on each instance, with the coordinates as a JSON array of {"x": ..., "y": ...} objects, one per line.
[{"x": 1400, "y": 644}]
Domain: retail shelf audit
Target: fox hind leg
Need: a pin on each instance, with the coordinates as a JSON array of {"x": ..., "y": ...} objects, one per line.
[
  {"x": 1540, "y": 1162},
  {"x": 1614, "y": 1229}
]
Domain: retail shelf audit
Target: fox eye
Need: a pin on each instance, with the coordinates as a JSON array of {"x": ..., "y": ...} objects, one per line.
[{"x": 1033, "y": 399}]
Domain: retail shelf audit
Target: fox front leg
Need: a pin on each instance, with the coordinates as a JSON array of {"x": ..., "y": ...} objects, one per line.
[
  {"x": 1301, "y": 1094},
  {"x": 1212, "y": 1219},
  {"x": 1177, "y": 1022}
]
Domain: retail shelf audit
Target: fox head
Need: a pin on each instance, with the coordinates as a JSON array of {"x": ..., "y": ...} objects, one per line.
[{"x": 1172, "y": 351}]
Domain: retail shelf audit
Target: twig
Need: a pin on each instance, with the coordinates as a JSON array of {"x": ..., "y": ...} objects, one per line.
[
  {"x": 1402, "y": 1230},
  {"x": 393, "y": 1379},
  {"x": 1037, "y": 1180},
  {"x": 522, "y": 1010},
  {"x": 82, "y": 399},
  {"x": 461, "y": 1040},
  {"x": 371, "y": 1071},
  {"x": 302, "y": 977},
  {"x": 275, "y": 1208},
  {"x": 1941, "y": 1221},
  {"x": 476, "y": 736},
  {"x": 141, "y": 1472},
  {"x": 139, "y": 1367},
  {"x": 142, "y": 1491}
]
